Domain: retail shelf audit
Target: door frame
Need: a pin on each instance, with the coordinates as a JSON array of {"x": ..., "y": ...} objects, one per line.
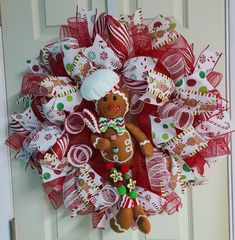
[
  {"x": 6, "y": 201},
  {"x": 230, "y": 90}
]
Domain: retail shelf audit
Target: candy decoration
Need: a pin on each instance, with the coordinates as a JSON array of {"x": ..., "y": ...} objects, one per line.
[
  {"x": 121, "y": 190},
  {"x": 124, "y": 168},
  {"x": 132, "y": 194}
]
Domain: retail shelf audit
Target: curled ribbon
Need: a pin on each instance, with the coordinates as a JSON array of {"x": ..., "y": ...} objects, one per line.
[
  {"x": 79, "y": 155},
  {"x": 108, "y": 196},
  {"x": 158, "y": 173},
  {"x": 183, "y": 118},
  {"x": 74, "y": 123}
]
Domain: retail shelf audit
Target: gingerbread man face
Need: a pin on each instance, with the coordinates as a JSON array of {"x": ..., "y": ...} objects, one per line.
[{"x": 114, "y": 104}]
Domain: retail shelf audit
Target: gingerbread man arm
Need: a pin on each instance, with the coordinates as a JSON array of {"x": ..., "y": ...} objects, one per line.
[
  {"x": 145, "y": 145},
  {"x": 99, "y": 142}
]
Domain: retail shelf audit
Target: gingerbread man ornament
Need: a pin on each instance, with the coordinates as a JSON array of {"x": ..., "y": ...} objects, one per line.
[{"x": 114, "y": 138}]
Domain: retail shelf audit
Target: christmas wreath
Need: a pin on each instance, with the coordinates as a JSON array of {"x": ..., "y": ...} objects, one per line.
[{"x": 120, "y": 118}]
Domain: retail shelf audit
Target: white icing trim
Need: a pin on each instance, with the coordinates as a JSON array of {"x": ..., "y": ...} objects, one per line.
[
  {"x": 120, "y": 94},
  {"x": 129, "y": 149},
  {"x": 144, "y": 142},
  {"x": 120, "y": 134},
  {"x": 96, "y": 106},
  {"x": 109, "y": 160},
  {"x": 94, "y": 129},
  {"x": 118, "y": 225},
  {"x": 125, "y": 98},
  {"x": 96, "y": 141},
  {"x": 89, "y": 125},
  {"x": 115, "y": 158},
  {"x": 138, "y": 218},
  {"x": 127, "y": 141}
]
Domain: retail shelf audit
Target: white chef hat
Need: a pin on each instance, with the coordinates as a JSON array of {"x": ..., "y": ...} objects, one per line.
[{"x": 98, "y": 84}]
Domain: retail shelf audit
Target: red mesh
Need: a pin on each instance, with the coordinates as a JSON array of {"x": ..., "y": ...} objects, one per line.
[
  {"x": 96, "y": 218},
  {"x": 15, "y": 141},
  {"x": 30, "y": 83},
  {"x": 172, "y": 204},
  {"x": 77, "y": 28},
  {"x": 197, "y": 161},
  {"x": 57, "y": 65},
  {"x": 54, "y": 189},
  {"x": 217, "y": 147},
  {"x": 214, "y": 78},
  {"x": 140, "y": 173},
  {"x": 176, "y": 57},
  {"x": 141, "y": 39}
]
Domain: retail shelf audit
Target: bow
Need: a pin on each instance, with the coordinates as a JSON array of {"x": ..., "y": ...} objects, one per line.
[{"x": 117, "y": 124}]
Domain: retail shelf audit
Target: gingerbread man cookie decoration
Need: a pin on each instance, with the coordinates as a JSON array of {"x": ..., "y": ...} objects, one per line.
[{"x": 113, "y": 137}]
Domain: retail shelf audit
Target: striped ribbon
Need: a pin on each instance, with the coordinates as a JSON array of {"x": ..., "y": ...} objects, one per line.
[{"x": 127, "y": 202}]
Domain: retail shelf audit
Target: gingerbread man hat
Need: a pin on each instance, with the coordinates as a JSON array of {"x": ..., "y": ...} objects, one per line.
[{"x": 98, "y": 84}]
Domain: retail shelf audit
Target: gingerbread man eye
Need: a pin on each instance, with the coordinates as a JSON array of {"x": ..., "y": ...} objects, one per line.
[
  {"x": 105, "y": 98},
  {"x": 114, "y": 98}
]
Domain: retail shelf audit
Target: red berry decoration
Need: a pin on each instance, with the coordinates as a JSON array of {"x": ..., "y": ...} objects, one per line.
[
  {"x": 109, "y": 165},
  {"x": 124, "y": 168},
  {"x": 119, "y": 184}
]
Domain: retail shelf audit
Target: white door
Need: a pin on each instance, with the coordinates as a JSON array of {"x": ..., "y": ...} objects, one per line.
[{"x": 27, "y": 26}]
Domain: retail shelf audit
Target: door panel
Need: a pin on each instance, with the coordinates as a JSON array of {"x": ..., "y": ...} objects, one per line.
[
  {"x": 176, "y": 8},
  {"x": 35, "y": 22},
  {"x": 68, "y": 8},
  {"x": 205, "y": 212},
  {"x": 33, "y": 25}
]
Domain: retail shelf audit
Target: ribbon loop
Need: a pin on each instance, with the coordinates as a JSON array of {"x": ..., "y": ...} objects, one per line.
[
  {"x": 74, "y": 123},
  {"x": 79, "y": 155}
]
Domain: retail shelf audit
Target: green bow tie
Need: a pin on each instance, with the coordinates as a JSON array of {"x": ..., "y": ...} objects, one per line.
[{"x": 117, "y": 124}]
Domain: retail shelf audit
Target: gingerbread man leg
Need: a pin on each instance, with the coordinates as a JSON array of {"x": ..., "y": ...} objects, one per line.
[
  {"x": 122, "y": 221},
  {"x": 141, "y": 219}
]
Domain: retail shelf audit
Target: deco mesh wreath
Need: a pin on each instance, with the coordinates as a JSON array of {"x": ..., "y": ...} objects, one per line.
[{"x": 84, "y": 98}]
